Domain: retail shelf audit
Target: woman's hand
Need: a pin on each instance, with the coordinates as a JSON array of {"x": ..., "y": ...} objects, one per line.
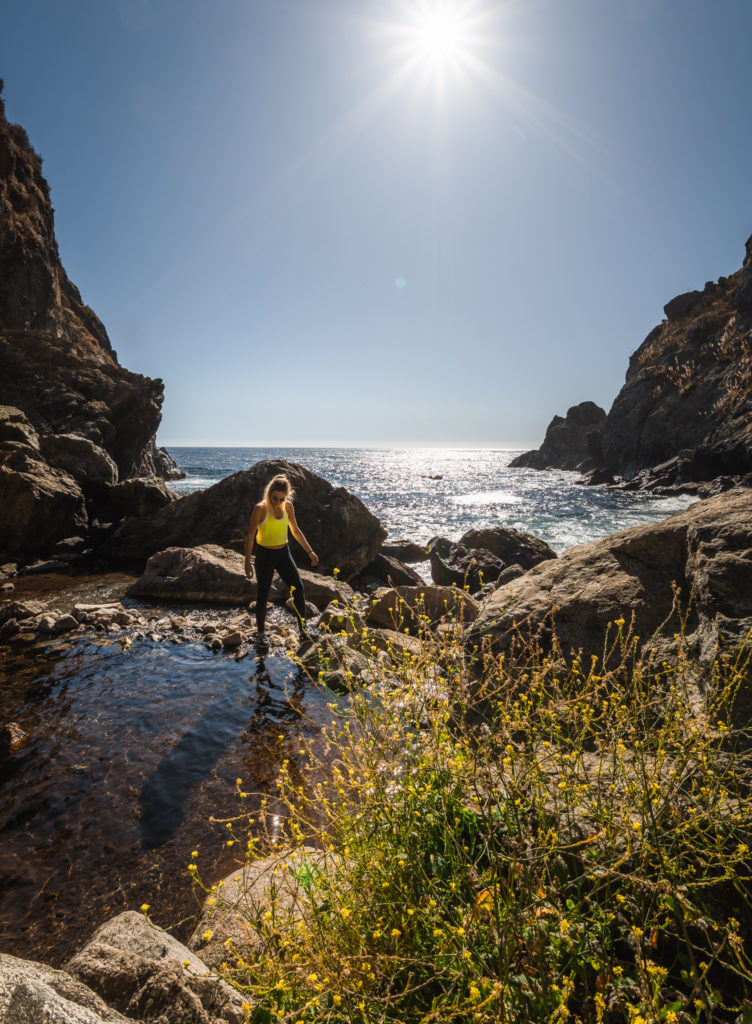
[
  {"x": 249, "y": 569},
  {"x": 314, "y": 557}
]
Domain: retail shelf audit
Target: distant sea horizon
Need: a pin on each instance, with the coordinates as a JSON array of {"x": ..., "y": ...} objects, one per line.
[{"x": 419, "y": 492}]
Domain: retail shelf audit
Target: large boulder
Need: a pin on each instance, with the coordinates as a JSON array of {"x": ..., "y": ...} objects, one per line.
[
  {"x": 481, "y": 556},
  {"x": 344, "y": 534},
  {"x": 391, "y": 571},
  {"x": 233, "y": 912},
  {"x": 138, "y": 496},
  {"x": 39, "y": 505},
  {"x": 512, "y": 546},
  {"x": 85, "y": 461},
  {"x": 31, "y": 993},
  {"x": 454, "y": 564},
  {"x": 204, "y": 573},
  {"x": 405, "y": 550},
  {"x": 706, "y": 551},
  {"x": 146, "y": 974}
]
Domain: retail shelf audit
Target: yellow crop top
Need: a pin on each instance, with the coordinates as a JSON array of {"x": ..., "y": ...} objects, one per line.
[{"x": 273, "y": 532}]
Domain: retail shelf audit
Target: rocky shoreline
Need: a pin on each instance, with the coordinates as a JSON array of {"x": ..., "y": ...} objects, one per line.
[
  {"x": 692, "y": 571},
  {"x": 680, "y": 423}
]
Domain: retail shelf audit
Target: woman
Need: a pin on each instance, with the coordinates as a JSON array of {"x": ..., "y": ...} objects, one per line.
[{"x": 269, "y": 522}]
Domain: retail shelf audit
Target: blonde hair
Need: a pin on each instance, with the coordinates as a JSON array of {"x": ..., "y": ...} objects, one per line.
[{"x": 277, "y": 483}]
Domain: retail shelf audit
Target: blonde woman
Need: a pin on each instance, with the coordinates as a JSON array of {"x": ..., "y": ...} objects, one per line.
[{"x": 268, "y": 527}]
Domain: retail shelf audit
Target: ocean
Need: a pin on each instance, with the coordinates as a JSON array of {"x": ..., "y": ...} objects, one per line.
[{"x": 420, "y": 493}]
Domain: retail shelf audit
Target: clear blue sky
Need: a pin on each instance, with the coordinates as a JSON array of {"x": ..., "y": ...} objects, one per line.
[{"x": 371, "y": 221}]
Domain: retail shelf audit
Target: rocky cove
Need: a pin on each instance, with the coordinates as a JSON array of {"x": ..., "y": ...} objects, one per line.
[{"x": 132, "y": 698}]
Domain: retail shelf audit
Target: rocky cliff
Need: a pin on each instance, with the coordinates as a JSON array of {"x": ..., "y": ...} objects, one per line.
[
  {"x": 74, "y": 424},
  {"x": 684, "y": 415}
]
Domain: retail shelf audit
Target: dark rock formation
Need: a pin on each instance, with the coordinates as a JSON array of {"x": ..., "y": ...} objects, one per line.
[
  {"x": 682, "y": 418},
  {"x": 39, "y": 505},
  {"x": 512, "y": 546},
  {"x": 405, "y": 551},
  {"x": 75, "y": 420},
  {"x": 455, "y": 564},
  {"x": 390, "y": 570},
  {"x": 481, "y": 556},
  {"x": 571, "y": 442},
  {"x": 705, "y": 550},
  {"x": 339, "y": 527}
]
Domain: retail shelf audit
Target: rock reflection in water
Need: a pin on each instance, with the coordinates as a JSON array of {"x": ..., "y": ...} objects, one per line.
[{"x": 128, "y": 754}]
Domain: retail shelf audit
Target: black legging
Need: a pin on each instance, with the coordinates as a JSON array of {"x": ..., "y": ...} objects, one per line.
[{"x": 267, "y": 560}]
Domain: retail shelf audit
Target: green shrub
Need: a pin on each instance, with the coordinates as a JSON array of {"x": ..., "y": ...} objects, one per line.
[{"x": 567, "y": 842}]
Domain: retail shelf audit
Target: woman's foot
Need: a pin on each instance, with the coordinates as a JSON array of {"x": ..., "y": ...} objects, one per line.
[
  {"x": 304, "y": 637},
  {"x": 261, "y": 640}
]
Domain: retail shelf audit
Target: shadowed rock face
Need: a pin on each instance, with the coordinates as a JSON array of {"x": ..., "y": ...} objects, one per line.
[
  {"x": 682, "y": 417},
  {"x": 706, "y": 551},
  {"x": 571, "y": 442},
  {"x": 91, "y": 422},
  {"x": 338, "y": 526},
  {"x": 35, "y": 292}
]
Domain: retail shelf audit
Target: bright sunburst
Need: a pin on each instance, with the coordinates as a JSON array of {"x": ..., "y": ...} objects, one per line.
[{"x": 436, "y": 36}]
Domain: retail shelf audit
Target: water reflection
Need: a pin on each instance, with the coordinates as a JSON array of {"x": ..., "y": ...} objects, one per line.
[{"x": 127, "y": 757}]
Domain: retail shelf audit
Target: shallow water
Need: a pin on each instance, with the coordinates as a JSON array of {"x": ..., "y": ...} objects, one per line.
[{"x": 128, "y": 754}]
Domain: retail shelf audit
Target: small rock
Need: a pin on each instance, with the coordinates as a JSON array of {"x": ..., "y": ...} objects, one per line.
[
  {"x": 7, "y": 587},
  {"x": 21, "y": 610},
  {"x": 336, "y": 619},
  {"x": 232, "y": 640},
  {"x": 51, "y": 565},
  {"x": 310, "y": 609},
  {"x": 53, "y": 624},
  {"x": 12, "y": 737},
  {"x": 9, "y": 628}
]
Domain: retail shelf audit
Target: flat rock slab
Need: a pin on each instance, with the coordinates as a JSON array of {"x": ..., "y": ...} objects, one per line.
[{"x": 213, "y": 574}]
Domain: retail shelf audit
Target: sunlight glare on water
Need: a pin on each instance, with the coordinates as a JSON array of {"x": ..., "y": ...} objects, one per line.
[{"x": 420, "y": 493}]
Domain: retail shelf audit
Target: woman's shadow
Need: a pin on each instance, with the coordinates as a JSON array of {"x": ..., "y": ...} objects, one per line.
[{"x": 164, "y": 794}]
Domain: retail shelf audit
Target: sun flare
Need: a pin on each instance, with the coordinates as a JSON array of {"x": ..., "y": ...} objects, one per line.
[{"x": 437, "y": 35}]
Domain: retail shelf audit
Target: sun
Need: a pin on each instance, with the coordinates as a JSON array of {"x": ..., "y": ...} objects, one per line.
[{"x": 437, "y": 35}]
